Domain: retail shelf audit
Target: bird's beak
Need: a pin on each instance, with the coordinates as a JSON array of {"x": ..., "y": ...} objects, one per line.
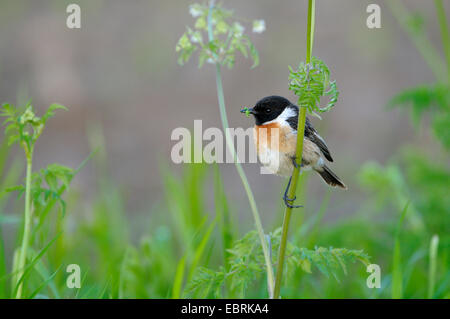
[{"x": 249, "y": 110}]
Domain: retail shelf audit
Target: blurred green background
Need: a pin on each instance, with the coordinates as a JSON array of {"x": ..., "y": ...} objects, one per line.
[{"x": 140, "y": 226}]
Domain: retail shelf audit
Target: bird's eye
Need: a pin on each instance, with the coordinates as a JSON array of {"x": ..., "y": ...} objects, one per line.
[{"x": 268, "y": 110}]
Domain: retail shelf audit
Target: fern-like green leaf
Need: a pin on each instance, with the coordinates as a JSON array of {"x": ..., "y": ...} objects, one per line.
[
  {"x": 421, "y": 99},
  {"x": 310, "y": 82},
  {"x": 329, "y": 261},
  {"x": 441, "y": 128},
  {"x": 246, "y": 264},
  {"x": 204, "y": 282}
]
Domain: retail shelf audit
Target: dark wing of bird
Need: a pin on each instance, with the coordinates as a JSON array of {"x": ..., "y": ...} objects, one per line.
[
  {"x": 311, "y": 134},
  {"x": 314, "y": 137}
]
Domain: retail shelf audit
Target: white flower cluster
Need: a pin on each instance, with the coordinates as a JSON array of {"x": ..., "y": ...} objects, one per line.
[
  {"x": 259, "y": 26},
  {"x": 195, "y": 11}
]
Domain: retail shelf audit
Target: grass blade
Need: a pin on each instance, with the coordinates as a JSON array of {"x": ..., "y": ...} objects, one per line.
[
  {"x": 397, "y": 274},
  {"x": 223, "y": 215},
  {"x": 2, "y": 266},
  {"x": 29, "y": 267},
  {"x": 179, "y": 276},
  {"x": 44, "y": 284},
  {"x": 432, "y": 266},
  {"x": 200, "y": 249}
]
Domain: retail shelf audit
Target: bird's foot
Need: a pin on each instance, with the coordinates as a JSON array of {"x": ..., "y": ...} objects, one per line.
[
  {"x": 289, "y": 201},
  {"x": 294, "y": 162}
]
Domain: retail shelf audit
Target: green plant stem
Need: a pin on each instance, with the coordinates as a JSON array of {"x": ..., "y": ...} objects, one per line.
[
  {"x": 27, "y": 225},
  {"x": 432, "y": 265},
  {"x": 298, "y": 157},
  {"x": 229, "y": 141},
  {"x": 397, "y": 268},
  {"x": 444, "y": 33}
]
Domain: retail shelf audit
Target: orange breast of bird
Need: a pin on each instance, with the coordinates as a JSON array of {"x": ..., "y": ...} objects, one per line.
[{"x": 274, "y": 137}]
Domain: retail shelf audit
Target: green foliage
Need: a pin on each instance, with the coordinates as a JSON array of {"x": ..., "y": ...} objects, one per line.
[
  {"x": 147, "y": 271},
  {"x": 433, "y": 252},
  {"x": 247, "y": 265},
  {"x": 310, "y": 82},
  {"x": 9, "y": 174},
  {"x": 440, "y": 127},
  {"x": 114, "y": 266},
  {"x": 25, "y": 127},
  {"x": 329, "y": 261},
  {"x": 183, "y": 242},
  {"x": 229, "y": 38},
  {"x": 416, "y": 180},
  {"x": 228, "y": 227},
  {"x": 185, "y": 198},
  {"x": 423, "y": 183},
  {"x": 397, "y": 273},
  {"x": 55, "y": 176},
  {"x": 432, "y": 98},
  {"x": 42, "y": 190},
  {"x": 169, "y": 244},
  {"x": 411, "y": 178}
]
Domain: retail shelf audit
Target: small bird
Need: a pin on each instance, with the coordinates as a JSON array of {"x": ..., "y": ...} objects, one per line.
[{"x": 279, "y": 157}]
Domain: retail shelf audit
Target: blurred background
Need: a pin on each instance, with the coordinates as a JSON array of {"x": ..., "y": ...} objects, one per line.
[{"x": 118, "y": 75}]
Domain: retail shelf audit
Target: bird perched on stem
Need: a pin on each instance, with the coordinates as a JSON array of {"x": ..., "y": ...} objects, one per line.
[{"x": 275, "y": 132}]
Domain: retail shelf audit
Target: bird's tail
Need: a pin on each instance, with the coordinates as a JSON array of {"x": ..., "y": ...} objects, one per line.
[{"x": 330, "y": 178}]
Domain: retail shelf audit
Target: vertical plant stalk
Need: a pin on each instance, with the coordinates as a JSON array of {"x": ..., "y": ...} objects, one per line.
[
  {"x": 298, "y": 157},
  {"x": 248, "y": 190},
  {"x": 444, "y": 32},
  {"x": 397, "y": 270},
  {"x": 27, "y": 225},
  {"x": 432, "y": 266}
]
